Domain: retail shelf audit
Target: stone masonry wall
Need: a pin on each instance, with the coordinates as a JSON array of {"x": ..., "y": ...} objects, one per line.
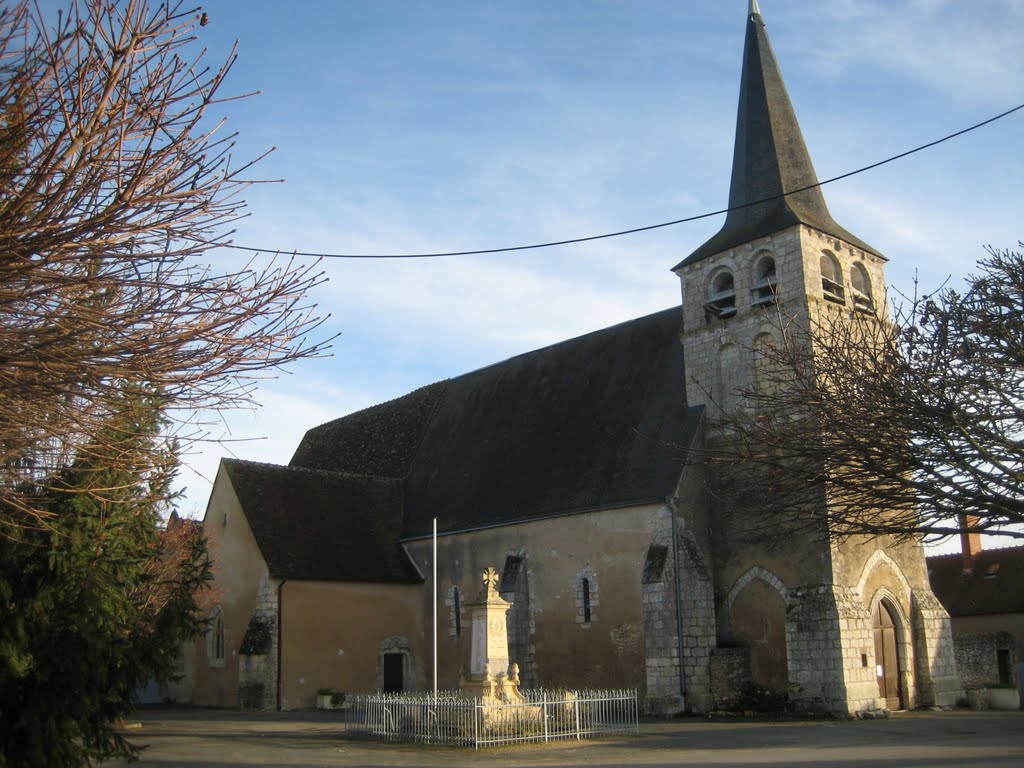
[
  {"x": 661, "y": 648},
  {"x": 730, "y": 672},
  {"x": 857, "y": 646},
  {"x": 666, "y": 612},
  {"x": 663, "y": 683},
  {"x": 257, "y": 666},
  {"x": 516, "y": 587},
  {"x": 814, "y": 649},
  {"x": 698, "y": 611},
  {"x": 977, "y": 657},
  {"x": 938, "y": 684}
]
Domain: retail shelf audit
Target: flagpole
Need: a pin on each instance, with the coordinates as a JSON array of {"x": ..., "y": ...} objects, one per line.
[{"x": 436, "y": 587}]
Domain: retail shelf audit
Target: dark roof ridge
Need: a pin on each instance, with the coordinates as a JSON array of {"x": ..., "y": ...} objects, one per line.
[
  {"x": 566, "y": 342},
  {"x": 314, "y": 472},
  {"x": 382, "y": 404},
  {"x": 576, "y": 425},
  {"x": 1012, "y": 549},
  {"x": 944, "y": 555}
]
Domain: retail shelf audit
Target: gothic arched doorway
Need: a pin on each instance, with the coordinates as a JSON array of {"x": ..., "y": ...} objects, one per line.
[
  {"x": 887, "y": 660},
  {"x": 759, "y": 621}
]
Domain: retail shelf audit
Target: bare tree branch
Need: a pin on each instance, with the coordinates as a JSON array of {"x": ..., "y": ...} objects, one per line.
[
  {"x": 116, "y": 188},
  {"x": 910, "y": 427}
]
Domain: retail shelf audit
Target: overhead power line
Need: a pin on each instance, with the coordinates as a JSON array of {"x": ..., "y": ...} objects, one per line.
[{"x": 634, "y": 230}]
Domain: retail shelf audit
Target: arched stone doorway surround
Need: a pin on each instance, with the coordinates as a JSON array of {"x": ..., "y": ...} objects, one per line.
[
  {"x": 892, "y": 650},
  {"x": 756, "y": 615},
  {"x": 903, "y": 657},
  {"x": 878, "y": 557}
]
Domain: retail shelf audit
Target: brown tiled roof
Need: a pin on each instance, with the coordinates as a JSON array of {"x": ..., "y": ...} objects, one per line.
[
  {"x": 595, "y": 422},
  {"x": 380, "y": 440},
  {"x": 994, "y": 585},
  {"x": 323, "y": 526}
]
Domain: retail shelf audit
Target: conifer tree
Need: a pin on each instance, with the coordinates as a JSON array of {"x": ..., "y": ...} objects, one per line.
[{"x": 98, "y": 602}]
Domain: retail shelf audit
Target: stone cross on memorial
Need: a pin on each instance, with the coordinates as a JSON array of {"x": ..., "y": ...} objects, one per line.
[{"x": 489, "y": 651}]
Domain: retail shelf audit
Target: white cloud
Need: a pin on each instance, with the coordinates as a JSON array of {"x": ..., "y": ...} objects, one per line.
[
  {"x": 969, "y": 51},
  {"x": 270, "y": 433},
  {"x": 542, "y": 134}
]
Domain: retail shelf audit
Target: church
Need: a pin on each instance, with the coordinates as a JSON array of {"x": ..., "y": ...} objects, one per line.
[{"x": 569, "y": 470}]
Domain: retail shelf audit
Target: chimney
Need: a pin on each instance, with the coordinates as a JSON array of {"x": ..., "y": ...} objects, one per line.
[{"x": 970, "y": 541}]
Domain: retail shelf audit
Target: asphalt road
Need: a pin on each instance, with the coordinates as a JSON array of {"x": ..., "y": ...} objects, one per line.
[{"x": 188, "y": 738}]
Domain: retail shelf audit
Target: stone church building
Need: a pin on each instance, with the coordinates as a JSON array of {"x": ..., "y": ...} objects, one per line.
[{"x": 554, "y": 467}]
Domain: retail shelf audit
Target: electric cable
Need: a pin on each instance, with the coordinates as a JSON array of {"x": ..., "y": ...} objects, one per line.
[{"x": 634, "y": 230}]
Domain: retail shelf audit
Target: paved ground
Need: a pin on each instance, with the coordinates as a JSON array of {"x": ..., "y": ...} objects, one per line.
[{"x": 185, "y": 738}]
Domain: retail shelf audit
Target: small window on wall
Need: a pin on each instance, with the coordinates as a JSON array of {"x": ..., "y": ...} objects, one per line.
[
  {"x": 215, "y": 639},
  {"x": 832, "y": 279},
  {"x": 654, "y": 564},
  {"x": 586, "y": 598},
  {"x": 510, "y": 574},
  {"x": 1004, "y": 666},
  {"x": 765, "y": 281},
  {"x": 861, "y": 289},
  {"x": 722, "y": 303},
  {"x": 454, "y": 603}
]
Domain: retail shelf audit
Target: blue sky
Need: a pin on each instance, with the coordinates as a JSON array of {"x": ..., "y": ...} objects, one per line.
[{"x": 451, "y": 125}]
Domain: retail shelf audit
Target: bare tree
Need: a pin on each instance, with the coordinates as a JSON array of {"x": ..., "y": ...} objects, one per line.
[
  {"x": 911, "y": 427},
  {"x": 117, "y": 187}
]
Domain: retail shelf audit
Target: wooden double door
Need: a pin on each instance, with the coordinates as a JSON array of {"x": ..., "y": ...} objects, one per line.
[{"x": 887, "y": 660}]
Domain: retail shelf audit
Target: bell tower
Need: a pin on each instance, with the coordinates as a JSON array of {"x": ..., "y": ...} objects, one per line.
[
  {"x": 779, "y": 243},
  {"x": 801, "y": 607}
]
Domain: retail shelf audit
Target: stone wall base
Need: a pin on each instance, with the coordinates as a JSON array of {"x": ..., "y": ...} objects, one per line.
[{"x": 664, "y": 706}]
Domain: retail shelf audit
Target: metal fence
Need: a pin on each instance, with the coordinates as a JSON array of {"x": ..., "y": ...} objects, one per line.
[{"x": 452, "y": 719}]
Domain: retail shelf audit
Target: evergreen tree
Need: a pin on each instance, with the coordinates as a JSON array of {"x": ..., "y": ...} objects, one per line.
[{"x": 97, "y": 603}]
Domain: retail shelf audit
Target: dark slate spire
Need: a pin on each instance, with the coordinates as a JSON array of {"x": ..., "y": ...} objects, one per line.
[{"x": 769, "y": 157}]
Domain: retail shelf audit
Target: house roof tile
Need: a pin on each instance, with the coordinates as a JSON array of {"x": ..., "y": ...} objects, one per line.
[
  {"x": 323, "y": 526},
  {"x": 994, "y": 585},
  {"x": 599, "y": 421},
  {"x": 594, "y": 422}
]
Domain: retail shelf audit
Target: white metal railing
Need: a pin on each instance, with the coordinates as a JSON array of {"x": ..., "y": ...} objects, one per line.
[{"x": 452, "y": 719}]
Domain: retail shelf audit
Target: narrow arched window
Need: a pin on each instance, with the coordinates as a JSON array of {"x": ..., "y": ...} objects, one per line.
[
  {"x": 457, "y": 609},
  {"x": 587, "y": 597},
  {"x": 722, "y": 302},
  {"x": 215, "y": 639},
  {"x": 765, "y": 281},
  {"x": 586, "y": 601},
  {"x": 861, "y": 288},
  {"x": 454, "y": 603},
  {"x": 218, "y": 637},
  {"x": 832, "y": 278}
]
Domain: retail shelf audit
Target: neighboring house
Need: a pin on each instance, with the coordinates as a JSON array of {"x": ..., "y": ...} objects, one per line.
[
  {"x": 566, "y": 469},
  {"x": 983, "y": 592}
]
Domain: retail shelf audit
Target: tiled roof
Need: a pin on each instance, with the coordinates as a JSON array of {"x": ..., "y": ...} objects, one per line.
[
  {"x": 994, "y": 585},
  {"x": 327, "y": 526},
  {"x": 379, "y": 441},
  {"x": 595, "y": 422}
]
